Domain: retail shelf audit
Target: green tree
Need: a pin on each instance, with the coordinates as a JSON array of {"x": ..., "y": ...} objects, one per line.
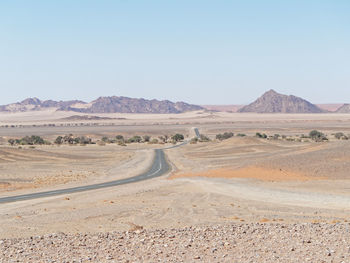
[
  {"x": 317, "y": 136},
  {"x": 178, "y": 137},
  {"x": 59, "y": 140}
]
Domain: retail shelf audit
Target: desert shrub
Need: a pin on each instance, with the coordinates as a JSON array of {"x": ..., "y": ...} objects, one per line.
[
  {"x": 82, "y": 140},
  {"x": 203, "y": 138},
  {"x": 119, "y": 138},
  {"x": 224, "y": 136},
  {"x": 194, "y": 140},
  {"x": 241, "y": 135},
  {"x": 164, "y": 138},
  {"x": 29, "y": 140},
  {"x": 135, "y": 138},
  {"x": 276, "y": 136},
  {"x": 71, "y": 140},
  {"x": 59, "y": 140},
  {"x": 317, "y": 136},
  {"x": 105, "y": 139},
  {"x": 177, "y": 137},
  {"x": 339, "y": 135},
  {"x": 261, "y": 135},
  {"x": 146, "y": 138}
]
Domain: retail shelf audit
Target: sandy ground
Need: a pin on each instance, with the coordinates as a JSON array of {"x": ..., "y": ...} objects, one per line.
[
  {"x": 236, "y": 181},
  {"x": 50, "y": 167}
]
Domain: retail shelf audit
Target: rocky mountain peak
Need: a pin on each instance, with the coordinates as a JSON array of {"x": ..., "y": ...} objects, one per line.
[{"x": 274, "y": 102}]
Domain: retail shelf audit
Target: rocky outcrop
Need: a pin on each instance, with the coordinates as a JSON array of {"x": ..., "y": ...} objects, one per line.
[
  {"x": 131, "y": 105},
  {"x": 103, "y": 105},
  {"x": 273, "y": 102},
  {"x": 344, "y": 109},
  {"x": 33, "y": 104}
]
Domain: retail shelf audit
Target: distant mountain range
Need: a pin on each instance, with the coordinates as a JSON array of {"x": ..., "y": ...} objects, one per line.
[
  {"x": 112, "y": 104},
  {"x": 269, "y": 102},
  {"x": 273, "y": 102}
]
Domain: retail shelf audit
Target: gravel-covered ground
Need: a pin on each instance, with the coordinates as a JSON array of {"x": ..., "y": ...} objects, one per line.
[{"x": 221, "y": 243}]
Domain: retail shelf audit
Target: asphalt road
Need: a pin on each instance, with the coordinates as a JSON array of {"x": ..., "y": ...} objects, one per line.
[
  {"x": 197, "y": 133},
  {"x": 159, "y": 167}
]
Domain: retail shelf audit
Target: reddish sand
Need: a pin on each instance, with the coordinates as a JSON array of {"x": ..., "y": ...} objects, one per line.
[
  {"x": 259, "y": 173},
  {"x": 330, "y": 107}
]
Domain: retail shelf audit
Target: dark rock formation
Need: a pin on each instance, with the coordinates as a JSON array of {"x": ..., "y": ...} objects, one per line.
[{"x": 273, "y": 102}]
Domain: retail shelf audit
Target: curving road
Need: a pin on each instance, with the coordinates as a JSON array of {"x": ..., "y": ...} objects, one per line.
[{"x": 159, "y": 167}]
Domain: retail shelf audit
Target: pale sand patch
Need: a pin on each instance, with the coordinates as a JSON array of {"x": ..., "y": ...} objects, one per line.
[{"x": 259, "y": 173}]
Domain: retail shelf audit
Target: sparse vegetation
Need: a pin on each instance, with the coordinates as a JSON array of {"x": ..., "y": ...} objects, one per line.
[
  {"x": 341, "y": 136},
  {"x": 241, "y": 135},
  {"x": 194, "y": 140},
  {"x": 224, "y": 136},
  {"x": 317, "y": 136},
  {"x": 261, "y": 135},
  {"x": 203, "y": 138},
  {"x": 29, "y": 140},
  {"x": 71, "y": 140},
  {"x": 164, "y": 138},
  {"x": 119, "y": 138},
  {"x": 276, "y": 136},
  {"x": 154, "y": 141},
  {"x": 146, "y": 138},
  {"x": 105, "y": 139},
  {"x": 134, "y": 139},
  {"x": 177, "y": 137}
]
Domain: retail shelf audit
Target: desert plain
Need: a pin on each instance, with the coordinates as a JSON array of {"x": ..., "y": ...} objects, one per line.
[{"x": 243, "y": 199}]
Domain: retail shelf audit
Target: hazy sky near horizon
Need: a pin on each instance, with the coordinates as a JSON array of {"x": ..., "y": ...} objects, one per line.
[{"x": 202, "y": 52}]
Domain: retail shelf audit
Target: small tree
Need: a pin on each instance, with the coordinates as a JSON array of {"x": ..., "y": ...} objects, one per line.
[
  {"x": 146, "y": 138},
  {"x": 177, "y": 137},
  {"x": 261, "y": 135},
  {"x": 317, "y": 136},
  {"x": 339, "y": 135},
  {"x": 219, "y": 137},
  {"x": 11, "y": 142},
  {"x": 59, "y": 140},
  {"x": 135, "y": 138},
  {"x": 204, "y": 138},
  {"x": 120, "y": 137},
  {"x": 224, "y": 136}
]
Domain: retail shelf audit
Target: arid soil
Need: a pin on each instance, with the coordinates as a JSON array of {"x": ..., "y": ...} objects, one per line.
[
  {"x": 224, "y": 243},
  {"x": 243, "y": 199},
  {"x": 44, "y": 166}
]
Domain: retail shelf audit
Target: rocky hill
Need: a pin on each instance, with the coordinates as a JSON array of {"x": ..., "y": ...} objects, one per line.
[
  {"x": 273, "y": 102},
  {"x": 344, "y": 109},
  {"x": 103, "y": 105},
  {"x": 34, "y": 104}
]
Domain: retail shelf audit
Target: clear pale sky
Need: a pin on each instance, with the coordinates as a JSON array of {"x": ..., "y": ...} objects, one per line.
[{"x": 202, "y": 52}]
